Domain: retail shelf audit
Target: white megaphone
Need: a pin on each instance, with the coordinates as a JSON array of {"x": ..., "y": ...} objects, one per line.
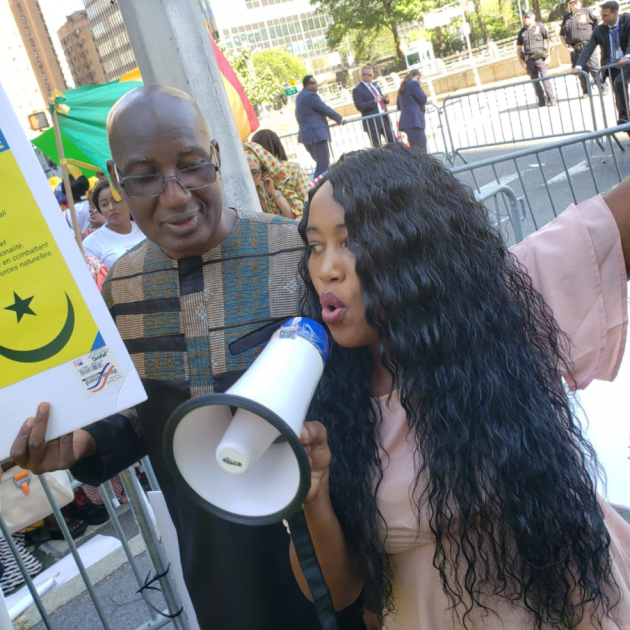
[{"x": 239, "y": 454}]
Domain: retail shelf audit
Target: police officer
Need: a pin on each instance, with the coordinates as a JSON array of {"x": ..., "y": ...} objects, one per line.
[
  {"x": 577, "y": 28},
  {"x": 532, "y": 47}
]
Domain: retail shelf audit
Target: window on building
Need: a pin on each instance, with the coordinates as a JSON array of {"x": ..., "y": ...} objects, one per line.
[
  {"x": 32, "y": 42},
  {"x": 40, "y": 65},
  {"x": 44, "y": 76},
  {"x": 23, "y": 19},
  {"x": 36, "y": 53},
  {"x": 28, "y": 30},
  {"x": 48, "y": 86},
  {"x": 19, "y": 7}
]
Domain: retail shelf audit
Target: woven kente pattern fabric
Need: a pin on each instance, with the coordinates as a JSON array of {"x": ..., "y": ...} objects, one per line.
[{"x": 197, "y": 318}]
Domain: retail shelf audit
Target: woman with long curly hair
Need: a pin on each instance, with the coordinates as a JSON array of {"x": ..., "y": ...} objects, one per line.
[{"x": 452, "y": 485}]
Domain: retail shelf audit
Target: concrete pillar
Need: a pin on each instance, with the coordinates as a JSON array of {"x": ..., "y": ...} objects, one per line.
[{"x": 172, "y": 47}]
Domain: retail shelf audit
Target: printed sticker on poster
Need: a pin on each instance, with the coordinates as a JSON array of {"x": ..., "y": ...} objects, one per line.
[{"x": 58, "y": 343}]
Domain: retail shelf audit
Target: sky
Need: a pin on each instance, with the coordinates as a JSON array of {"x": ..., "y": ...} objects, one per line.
[{"x": 55, "y": 12}]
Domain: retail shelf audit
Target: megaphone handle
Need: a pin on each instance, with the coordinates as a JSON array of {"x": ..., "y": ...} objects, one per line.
[{"x": 305, "y": 552}]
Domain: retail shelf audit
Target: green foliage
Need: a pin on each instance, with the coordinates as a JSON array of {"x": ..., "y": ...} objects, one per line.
[
  {"x": 367, "y": 19},
  {"x": 261, "y": 87},
  {"x": 370, "y": 47},
  {"x": 282, "y": 64}
]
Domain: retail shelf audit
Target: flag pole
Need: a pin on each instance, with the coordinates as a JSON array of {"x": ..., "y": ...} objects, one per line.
[{"x": 66, "y": 179}]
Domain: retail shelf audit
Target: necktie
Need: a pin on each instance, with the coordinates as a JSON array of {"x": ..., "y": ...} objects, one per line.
[
  {"x": 614, "y": 31},
  {"x": 376, "y": 94}
]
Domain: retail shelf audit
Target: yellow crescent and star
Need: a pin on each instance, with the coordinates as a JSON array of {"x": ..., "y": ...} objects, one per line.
[{"x": 44, "y": 319}]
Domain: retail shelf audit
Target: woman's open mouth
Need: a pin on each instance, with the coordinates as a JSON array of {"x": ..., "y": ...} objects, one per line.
[{"x": 333, "y": 309}]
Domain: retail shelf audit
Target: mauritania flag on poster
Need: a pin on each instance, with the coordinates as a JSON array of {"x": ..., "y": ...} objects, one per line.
[{"x": 58, "y": 343}]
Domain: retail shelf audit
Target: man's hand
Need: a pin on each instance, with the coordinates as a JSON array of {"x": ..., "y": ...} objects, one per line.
[
  {"x": 569, "y": 48},
  {"x": 31, "y": 451},
  {"x": 623, "y": 61},
  {"x": 575, "y": 71}
]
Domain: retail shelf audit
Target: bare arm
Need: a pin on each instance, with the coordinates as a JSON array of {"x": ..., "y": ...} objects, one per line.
[
  {"x": 340, "y": 572},
  {"x": 618, "y": 200},
  {"x": 283, "y": 205}
]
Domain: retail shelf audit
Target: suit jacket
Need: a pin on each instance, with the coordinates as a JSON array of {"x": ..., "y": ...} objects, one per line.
[
  {"x": 601, "y": 38},
  {"x": 311, "y": 113},
  {"x": 411, "y": 104},
  {"x": 364, "y": 102}
]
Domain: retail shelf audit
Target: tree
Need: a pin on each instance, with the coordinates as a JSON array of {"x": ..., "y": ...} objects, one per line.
[
  {"x": 482, "y": 23},
  {"x": 368, "y": 18},
  {"x": 282, "y": 64},
  {"x": 261, "y": 87}
]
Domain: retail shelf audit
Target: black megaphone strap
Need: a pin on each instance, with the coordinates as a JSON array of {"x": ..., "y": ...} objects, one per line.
[{"x": 305, "y": 552}]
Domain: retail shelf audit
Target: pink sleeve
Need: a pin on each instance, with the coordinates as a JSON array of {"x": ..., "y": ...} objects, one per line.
[{"x": 577, "y": 264}]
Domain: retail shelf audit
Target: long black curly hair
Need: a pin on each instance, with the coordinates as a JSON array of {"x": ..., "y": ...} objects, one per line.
[{"x": 502, "y": 466}]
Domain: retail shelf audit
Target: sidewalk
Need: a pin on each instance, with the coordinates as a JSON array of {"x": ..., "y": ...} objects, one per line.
[
  {"x": 123, "y": 608},
  {"x": 114, "y": 581},
  {"x": 116, "y": 589}
]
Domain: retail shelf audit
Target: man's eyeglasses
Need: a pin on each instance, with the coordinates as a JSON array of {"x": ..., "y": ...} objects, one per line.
[
  {"x": 190, "y": 178},
  {"x": 256, "y": 173}
]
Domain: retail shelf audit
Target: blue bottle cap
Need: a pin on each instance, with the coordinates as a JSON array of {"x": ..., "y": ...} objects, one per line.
[{"x": 310, "y": 330}]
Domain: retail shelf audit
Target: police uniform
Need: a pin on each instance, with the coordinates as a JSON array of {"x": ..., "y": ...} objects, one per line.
[
  {"x": 577, "y": 30},
  {"x": 534, "y": 54}
]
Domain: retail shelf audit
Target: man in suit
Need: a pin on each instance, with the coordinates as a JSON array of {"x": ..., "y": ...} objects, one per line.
[
  {"x": 311, "y": 113},
  {"x": 369, "y": 100},
  {"x": 613, "y": 38}
]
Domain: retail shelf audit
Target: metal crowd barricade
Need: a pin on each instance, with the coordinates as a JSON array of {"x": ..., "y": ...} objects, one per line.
[
  {"x": 350, "y": 136},
  {"x": 511, "y": 203},
  {"x": 510, "y": 114},
  {"x": 174, "y": 613},
  {"x": 609, "y": 105},
  {"x": 546, "y": 177}
]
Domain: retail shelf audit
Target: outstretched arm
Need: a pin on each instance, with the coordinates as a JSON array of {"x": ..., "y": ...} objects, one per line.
[
  {"x": 322, "y": 108},
  {"x": 586, "y": 54}
]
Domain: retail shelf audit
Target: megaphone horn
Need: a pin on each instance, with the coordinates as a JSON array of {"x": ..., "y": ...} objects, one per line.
[{"x": 238, "y": 454}]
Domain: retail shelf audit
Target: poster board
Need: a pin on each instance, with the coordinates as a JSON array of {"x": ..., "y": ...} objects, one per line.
[{"x": 58, "y": 343}]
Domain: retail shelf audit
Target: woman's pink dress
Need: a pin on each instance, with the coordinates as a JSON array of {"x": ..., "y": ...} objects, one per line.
[{"x": 577, "y": 265}]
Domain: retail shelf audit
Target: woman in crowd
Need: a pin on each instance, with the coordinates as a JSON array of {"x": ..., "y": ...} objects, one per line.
[
  {"x": 282, "y": 188},
  {"x": 270, "y": 141},
  {"x": 412, "y": 102},
  {"x": 118, "y": 235},
  {"x": 451, "y": 483}
]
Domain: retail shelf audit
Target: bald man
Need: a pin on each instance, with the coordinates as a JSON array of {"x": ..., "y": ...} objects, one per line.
[{"x": 195, "y": 303}]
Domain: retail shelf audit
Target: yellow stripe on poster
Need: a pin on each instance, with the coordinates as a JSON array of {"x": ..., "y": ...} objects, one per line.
[{"x": 44, "y": 320}]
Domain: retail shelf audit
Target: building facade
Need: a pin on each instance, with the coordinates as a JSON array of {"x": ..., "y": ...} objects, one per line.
[
  {"x": 16, "y": 71},
  {"x": 79, "y": 47},
  {"x": 31, "y": 26},
  {"x": 293, "y": 25},
  {"x": 111, "y": 38}
]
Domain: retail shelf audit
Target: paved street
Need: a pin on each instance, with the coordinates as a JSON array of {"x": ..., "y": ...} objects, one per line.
[{"x": 495, "y": 117}]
